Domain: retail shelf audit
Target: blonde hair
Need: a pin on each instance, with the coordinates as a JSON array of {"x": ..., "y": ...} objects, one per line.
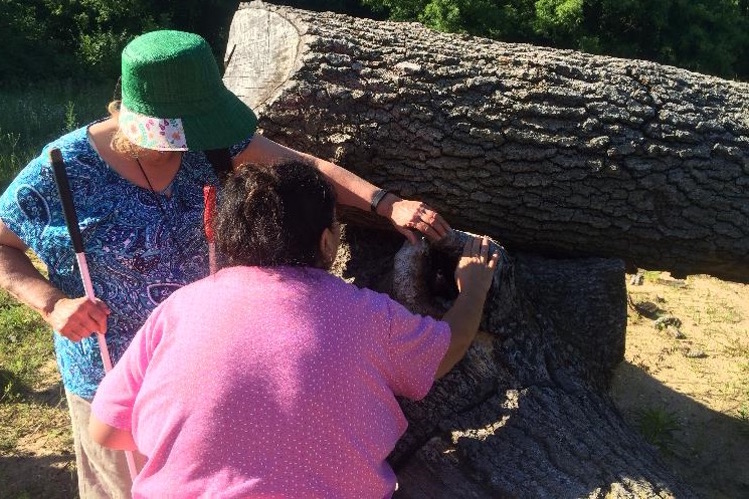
[{"x": 120, "y": 143}]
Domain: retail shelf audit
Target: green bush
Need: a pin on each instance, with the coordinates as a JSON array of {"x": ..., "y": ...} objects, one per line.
[
  {"x": 82, "y": 39},
  {"x": 709, "y": 36}
]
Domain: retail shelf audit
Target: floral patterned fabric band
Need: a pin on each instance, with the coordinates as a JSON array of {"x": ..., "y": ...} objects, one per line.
[{"x": 160, "y": 134}]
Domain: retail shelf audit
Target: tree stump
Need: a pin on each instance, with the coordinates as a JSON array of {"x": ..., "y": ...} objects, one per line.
[
  {"x": 526, "y": 413},
  {"x": 552, "y": 151}
]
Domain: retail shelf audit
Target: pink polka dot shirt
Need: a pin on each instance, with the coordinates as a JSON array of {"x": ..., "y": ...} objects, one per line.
[{"x": 279, "y": 382}]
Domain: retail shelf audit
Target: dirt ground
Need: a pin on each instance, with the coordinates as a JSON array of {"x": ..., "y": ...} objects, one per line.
[
  {"x": 684, "y": 385},
  {"x": 685, "y": 379}
]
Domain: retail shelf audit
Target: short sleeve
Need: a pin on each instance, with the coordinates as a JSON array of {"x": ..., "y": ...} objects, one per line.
[
  {"x": 416, "y": 346},
  {"x": 241, "y": 146},
  {"x": 25, "y": 206},
  {"x": 115, "y": 397}
]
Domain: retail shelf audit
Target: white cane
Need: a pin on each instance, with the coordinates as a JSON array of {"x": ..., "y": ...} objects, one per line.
[{"x": 71, "y": 220}]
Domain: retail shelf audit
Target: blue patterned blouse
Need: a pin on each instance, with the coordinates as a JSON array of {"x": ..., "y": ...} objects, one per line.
[{"x": 140, "y": 246}]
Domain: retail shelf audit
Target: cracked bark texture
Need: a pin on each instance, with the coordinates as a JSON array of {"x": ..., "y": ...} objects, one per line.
[
  {"x": 551, "y": 151},
  {"x": 526, "y": 413}
]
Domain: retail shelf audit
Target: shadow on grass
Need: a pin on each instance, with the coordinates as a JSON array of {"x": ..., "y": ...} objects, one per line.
[
  {"x": 12, "y": 388},
  {"x": 52, "y": 396},
  {"x": 51, "y": 477},
  {"x": 706, "y": 448}
]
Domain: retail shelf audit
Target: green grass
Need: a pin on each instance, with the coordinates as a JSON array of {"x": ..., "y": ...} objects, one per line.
[
  {"x": 651, "y": 275},
  {"x": 32, "y": 117},
  {"x": 26, "y": 351},
  {"x": 743, "y": 417},
  {"x": 25, "y": 342},
  {"x": 737, "y": 348},
  {"x": 33, "y": 415},
  {"x": 26, "y": 354},
  {"x": 658, "y": 425}
]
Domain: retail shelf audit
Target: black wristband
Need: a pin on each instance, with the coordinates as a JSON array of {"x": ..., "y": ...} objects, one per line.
[{"x": 379, "y": 195}]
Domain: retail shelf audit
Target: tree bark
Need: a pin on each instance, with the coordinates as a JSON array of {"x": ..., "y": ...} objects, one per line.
[
  {"x": 553, "y": 151},
  {"x": 526, "y": 413}
]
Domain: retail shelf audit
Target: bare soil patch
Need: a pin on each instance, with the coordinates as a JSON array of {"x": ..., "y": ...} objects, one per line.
[{"x": 685, "y": 380}]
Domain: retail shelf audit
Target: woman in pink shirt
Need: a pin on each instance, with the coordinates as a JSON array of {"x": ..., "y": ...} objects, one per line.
[{"x": 274, "y": 378}]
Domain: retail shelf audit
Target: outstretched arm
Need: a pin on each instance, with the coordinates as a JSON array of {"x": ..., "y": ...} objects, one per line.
[{"x": 352, "y": 190}]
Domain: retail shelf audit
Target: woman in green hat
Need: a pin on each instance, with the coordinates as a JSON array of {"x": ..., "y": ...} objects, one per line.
[{"x": 137, "y": 179}]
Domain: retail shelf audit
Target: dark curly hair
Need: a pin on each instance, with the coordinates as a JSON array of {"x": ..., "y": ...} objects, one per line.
[{"x": 273, "y": 215}]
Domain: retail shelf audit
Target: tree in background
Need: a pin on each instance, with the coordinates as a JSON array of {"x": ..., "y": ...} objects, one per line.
[
  {"x": 83, "y": 38},
  {"x": 354, "y": 8},
  {"x": 709, "y": 36},
  {"x": 78, "y": 39},
  {"x": 27, "y": 50},
  {"x": 511, "y": 20}
]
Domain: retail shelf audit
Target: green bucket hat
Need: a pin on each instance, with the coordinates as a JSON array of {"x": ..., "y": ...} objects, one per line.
[{"x": 173, "y": 98}]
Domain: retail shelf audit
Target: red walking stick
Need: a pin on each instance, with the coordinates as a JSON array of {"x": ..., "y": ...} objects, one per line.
[
  {"x": 209, "y": 208},
  {"x": 71, "y": 220}
]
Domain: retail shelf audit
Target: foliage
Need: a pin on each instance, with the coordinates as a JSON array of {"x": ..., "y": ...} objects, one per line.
[
  {"x": 510, "y": 20},
  {"x": 743, "y": 417},
  {"x": 354, "y": 8},
  {"x": 82, "y": 39},
  {"x": 710, "y": 36},
  {"x": 704, "y": 35},
  {"x": 63, "y": 38},
  {"x": 559, "y": 20},
  {"x": 658, "y": 425},
  {"x": 483, "y": 17},
  {"x": 32, "y": 117}
]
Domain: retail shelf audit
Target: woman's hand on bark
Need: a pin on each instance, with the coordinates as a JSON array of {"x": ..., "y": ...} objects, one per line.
[
  {"x": 409, "y": 216},
  {"x": 476, "y": 266}
]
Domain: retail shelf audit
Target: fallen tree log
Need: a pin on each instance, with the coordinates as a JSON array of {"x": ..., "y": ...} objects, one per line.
[
  {"x": 553, "y": 151},
  {"x": 498, "y": 138}
]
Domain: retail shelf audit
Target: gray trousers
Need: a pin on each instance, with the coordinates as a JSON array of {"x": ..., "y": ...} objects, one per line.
[{"x": 102, "y": 472}]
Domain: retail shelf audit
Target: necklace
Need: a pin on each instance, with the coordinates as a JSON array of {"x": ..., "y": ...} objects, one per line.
[
  {"x": 154, "y": 192},
  {"x": 166, "y": 219}
]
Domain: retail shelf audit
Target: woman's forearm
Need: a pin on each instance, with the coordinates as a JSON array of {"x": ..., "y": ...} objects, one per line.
[
  {"x": 464, "y": 318},
  {"x": 406, "y": 215},
  {"x": 109, "y": 436},
  {"x": 20, "y": 278},
  {"x": 473, "y": 276},
  {"x": 351, "y": 189},
  {"x": 74, "y": 318}
]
